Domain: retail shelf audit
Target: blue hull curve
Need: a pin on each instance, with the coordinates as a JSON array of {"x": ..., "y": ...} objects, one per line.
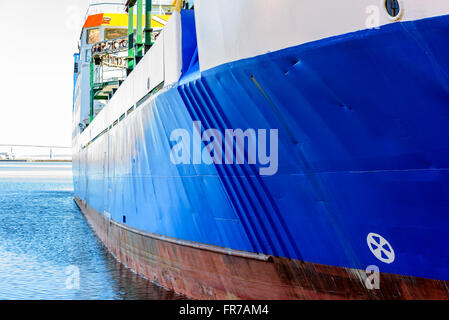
[{"x": 363, "y": 123}]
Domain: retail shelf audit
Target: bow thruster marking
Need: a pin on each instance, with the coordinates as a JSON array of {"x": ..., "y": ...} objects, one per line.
[{"x": 380, "y": 248}]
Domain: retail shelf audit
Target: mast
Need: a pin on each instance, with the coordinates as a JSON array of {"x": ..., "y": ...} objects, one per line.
[
  {"x": 148, "y": 29},
  {"x": 139, "y": 44},
  {"x": 131, "y": 53}
]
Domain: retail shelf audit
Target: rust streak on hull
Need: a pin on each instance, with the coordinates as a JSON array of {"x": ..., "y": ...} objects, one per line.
[{"x": 209, "y": 274}]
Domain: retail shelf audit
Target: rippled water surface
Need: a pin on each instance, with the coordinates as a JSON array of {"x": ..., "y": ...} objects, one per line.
[{"x": 45, "y": 241}]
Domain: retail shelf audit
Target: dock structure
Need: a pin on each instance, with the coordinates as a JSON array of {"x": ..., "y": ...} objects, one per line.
[{"x": 31, "y": 153}]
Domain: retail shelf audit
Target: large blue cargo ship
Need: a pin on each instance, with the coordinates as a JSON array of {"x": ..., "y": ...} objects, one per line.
[{"x": 261, "y": 150}]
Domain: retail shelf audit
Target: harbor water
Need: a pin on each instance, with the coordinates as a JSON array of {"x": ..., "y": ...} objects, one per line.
[{"x": 47, "y": 249}]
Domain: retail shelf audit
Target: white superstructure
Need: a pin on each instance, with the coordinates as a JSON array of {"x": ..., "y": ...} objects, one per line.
[{"x": 237, "y": 29}]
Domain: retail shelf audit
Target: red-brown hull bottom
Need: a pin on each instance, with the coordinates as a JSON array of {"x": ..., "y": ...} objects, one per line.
[{"x": 200, "y": 273}]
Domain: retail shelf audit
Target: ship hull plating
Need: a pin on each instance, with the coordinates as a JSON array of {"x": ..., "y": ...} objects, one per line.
[
  {"x": 206, "y": 273},
  {"x": 363, "y": 150}
]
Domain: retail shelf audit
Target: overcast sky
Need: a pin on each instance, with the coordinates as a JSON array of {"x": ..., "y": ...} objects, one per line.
[{"x": 36, "y": 77}]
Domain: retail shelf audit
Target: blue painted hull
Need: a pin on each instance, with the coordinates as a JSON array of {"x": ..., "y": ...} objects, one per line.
[{"x": 363, "y": 123}]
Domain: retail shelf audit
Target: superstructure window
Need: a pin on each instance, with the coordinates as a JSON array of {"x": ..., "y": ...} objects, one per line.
[
  {"x": 114, "y": 33},
  {"x": 93, "y": 36}
]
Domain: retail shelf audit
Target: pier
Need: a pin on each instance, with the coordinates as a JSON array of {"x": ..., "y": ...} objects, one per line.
[{"x": 34, "y": 153}]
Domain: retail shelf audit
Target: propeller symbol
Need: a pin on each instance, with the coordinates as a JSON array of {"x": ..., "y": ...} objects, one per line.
[{"x": 380, "y": 248}]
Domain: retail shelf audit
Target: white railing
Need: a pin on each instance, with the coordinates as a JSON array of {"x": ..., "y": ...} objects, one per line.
[
  {"x": 160, "y": 7},
  {"x": 98, "y": 6}
]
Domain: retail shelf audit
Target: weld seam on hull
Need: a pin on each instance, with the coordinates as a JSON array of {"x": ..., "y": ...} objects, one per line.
[{"x": 229, "y": 252}]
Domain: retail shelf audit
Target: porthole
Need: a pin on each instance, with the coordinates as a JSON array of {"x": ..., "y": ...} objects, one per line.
[{"x": 393, "y": 8}]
